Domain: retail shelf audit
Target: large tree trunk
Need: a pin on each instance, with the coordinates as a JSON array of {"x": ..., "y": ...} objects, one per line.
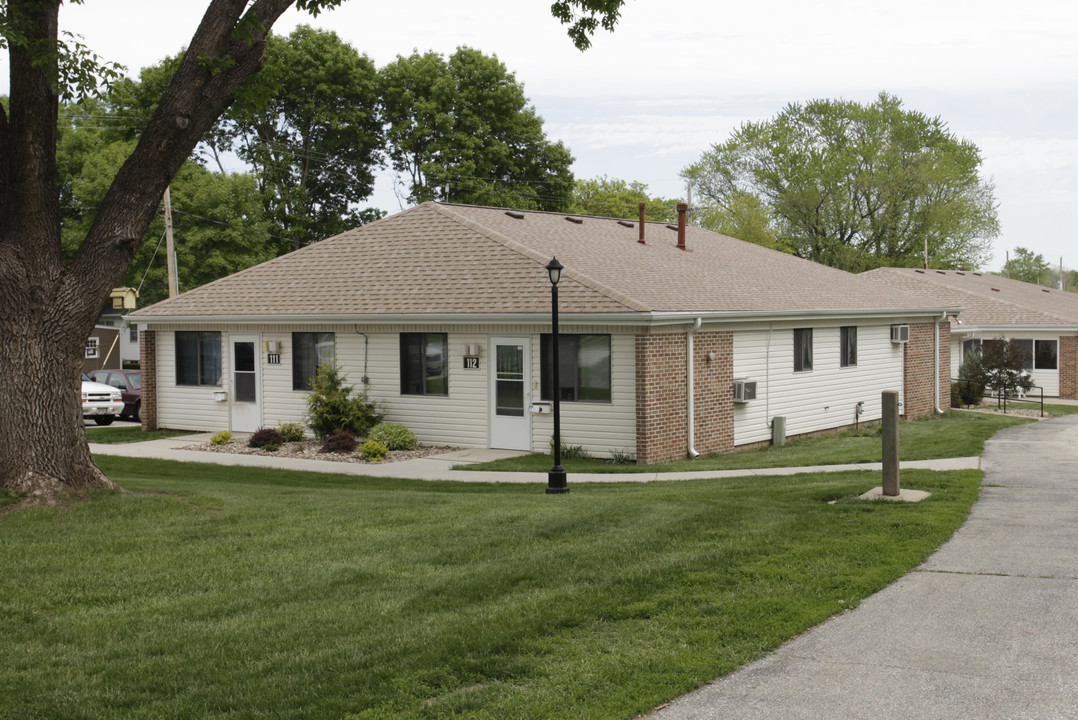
[{"x": 48, "y": 305}]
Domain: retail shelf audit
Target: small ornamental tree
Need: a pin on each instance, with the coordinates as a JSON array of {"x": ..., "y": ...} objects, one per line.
[
  {"x": 334, "y": 406},
  {"x": 1001, "y": 364}
]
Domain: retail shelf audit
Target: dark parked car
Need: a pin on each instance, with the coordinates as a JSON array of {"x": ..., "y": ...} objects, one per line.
[{"x": 129, "y": 383}]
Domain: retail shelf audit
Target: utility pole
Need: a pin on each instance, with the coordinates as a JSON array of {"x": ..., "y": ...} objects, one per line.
[{"x": 170, "y": 249}]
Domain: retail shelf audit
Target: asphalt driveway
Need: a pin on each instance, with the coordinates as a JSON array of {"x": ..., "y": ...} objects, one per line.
[{"x": 986, "y": 628}]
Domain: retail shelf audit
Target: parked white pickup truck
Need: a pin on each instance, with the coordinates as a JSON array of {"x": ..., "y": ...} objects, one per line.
[{"x": 103, "y": 403}]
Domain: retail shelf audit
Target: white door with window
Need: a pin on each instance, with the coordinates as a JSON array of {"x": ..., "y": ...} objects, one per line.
[
  {"x": 510, "y": 393},
  {"x": 245, "y": 387}
]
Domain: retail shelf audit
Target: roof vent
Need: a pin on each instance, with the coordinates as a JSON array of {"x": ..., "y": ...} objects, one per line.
[
  {"x": 625, "y": 223},
  {"x": 959, "y": 272},
  {"x": 978, "y": 274},
  {"x": 578, "y": 221},
  {"x": 1045, "y": 290},
  {"x": 941, "y": 272},
  {"x": 995, "y": 289},
  {"x": 515, "y": 215},
  {"x": 920, "y": 271}
]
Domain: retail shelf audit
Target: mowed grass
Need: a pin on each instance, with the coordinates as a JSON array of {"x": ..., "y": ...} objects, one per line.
[
  {"x": 129, "y": 434},
  {"x": 214, "y": 592},
  {"x": 953, "y": 434}
]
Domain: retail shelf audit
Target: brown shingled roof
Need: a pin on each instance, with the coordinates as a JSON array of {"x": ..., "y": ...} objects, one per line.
[
  {"x": 989, "y": 300},
  {"x": 440, "y": 258}
]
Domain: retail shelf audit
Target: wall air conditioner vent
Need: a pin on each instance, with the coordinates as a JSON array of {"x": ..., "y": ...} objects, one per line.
[
  {"x": 900, "y": 333},
  {"x": 744, "y": 390}
]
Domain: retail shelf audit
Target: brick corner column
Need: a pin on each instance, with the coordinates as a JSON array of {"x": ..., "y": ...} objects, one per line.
[{"x": 148, "y": 376}]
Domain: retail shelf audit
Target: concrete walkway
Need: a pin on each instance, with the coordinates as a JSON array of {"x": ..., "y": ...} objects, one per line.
[
  {"x": 986, "y": 628},
  {"x": 439, "y": 467}
]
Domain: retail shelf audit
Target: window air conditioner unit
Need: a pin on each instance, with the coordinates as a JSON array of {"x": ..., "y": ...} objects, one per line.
[
  {"x": 744, "y": 390},
  {"x": 900, "y": 333}
]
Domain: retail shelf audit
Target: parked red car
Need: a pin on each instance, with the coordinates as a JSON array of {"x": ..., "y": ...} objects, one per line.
[{"x": 129, "y": 383}]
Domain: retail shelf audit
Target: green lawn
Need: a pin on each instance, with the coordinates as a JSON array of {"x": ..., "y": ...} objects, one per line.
[
  {"x": 128, "y": 434},
  {"x": 215, "y": 592},
  {"x": 954, "y": 434}
]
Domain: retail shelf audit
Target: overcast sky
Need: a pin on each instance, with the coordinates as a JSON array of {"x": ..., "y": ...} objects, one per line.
[{"x": 679, "y": 75}]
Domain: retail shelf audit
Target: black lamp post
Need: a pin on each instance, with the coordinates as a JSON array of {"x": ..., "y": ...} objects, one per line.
[{"x": 556, "y": 477}]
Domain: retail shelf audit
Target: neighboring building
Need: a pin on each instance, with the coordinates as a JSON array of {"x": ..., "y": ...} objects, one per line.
[
  {"x": 114, "y": 342},
  {"x": 444, "y": 312},
  {"x": 1043, "y": 320}
]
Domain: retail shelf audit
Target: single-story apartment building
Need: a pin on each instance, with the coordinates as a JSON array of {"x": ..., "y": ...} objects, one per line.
[
  {"x": 1043, "y": 320},
  {"x": 674, "y": 340}
]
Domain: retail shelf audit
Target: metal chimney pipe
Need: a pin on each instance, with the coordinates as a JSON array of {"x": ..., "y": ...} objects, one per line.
[
  {"x": 641, "y": 207},
  {"x": 682, "y": 209}
]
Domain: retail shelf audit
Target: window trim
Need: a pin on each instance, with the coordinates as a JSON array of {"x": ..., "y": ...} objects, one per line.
[
  {"x": 546, "y": 379},
  {"x": 405, "y": 382},
  {"x": 800, "y": 346},
  {"x": 847, "y": 346}
]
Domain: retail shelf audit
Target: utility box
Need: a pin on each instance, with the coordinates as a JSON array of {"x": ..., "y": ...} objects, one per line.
[{"x": 778, "y": 431}]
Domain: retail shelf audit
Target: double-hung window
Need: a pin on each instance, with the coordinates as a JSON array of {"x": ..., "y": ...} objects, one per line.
[
  {"x": 848, "y": 336},
  {"x": 802, "y": 349},
  {"x": 583, "y": 369},
  {"x": 1046, "y": 355},
  {"x": 310, "y": 350},
  {"x": 198, "y": 358},
  {"x": 424, "y": 364}
]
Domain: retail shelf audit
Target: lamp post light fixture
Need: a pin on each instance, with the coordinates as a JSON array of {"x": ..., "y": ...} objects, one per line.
[{"x": 556, "y": 477}]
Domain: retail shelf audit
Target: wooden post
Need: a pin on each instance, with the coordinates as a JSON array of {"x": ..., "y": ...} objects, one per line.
[
  {"x": 890, "y": 443},
  {"x": 170, "y": 249}
]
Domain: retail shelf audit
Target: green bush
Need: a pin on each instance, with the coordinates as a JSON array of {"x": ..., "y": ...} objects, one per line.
[
  {"x": 265, "y": 436},
  {"x": 373, "y": 451},
  {"x": 271, "y": 447},
  {"x": 340, "y": 442},
  {"x": 221, "y": 438},
  {"x": 571, "y": 452},
  {"x": 291, "y": 432},
  {"x": 394, "y": 435},
  {"x": 622, "y": 457},
  {"x": 332, "y": 406}
]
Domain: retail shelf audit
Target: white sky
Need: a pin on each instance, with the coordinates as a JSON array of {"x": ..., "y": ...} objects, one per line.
[{"x": 678, "y": 75}]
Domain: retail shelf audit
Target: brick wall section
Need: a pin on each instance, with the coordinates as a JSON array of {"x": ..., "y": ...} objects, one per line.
[
  {"x": 662, "y": 401},
  {"x": 148, "y": 375},
  {"x": 1068, "y": 367},
  {"x": 920, "y": 368}
]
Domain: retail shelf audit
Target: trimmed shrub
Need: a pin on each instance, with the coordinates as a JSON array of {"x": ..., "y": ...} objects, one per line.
[
  {"x": 373, "y": 451},
  {"x": 332, "y": 407},
  {"x": 394, "y": 436},
  {"x": 339, "y": 442},
  {"x": 272, "y": 447},
  {"x": 265, "y": 436},
  {"x": 221, "y": 438},
  {"x": 291, "y": 432}
]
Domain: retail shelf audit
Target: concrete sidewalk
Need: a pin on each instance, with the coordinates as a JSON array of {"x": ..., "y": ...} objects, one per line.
[
  {"x": 986, "y": 628},
  {"x": 439, "y": 467}
]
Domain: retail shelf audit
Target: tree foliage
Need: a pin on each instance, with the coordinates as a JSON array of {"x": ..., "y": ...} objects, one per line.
[
  {"x": 308, "y": 125},
  {"x": 999, "y": 364},
  {"x": 1028, "y": 266},
  {"x": 857, "y": 186},
  {"x": 461, "y": 130},
  {"x": 611, "y": 197}
]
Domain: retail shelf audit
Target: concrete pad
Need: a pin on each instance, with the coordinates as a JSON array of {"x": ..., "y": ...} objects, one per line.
[{"x": 904, "y": 495}]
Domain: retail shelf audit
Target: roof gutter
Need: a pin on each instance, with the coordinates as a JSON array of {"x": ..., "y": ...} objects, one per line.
[
  {"x": 652, "y": 319},
  {"x": 690, "y": 379}
]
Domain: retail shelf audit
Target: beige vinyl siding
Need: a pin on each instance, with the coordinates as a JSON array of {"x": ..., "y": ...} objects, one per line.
[
  {"x": 184, "y": 407},
  {"x": 818, "y": 399},
  {"x": 599, "y": 427}
]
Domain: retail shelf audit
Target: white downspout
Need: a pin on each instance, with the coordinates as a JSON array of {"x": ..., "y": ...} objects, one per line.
[
  {"x": 937, "y": 364},
  {"x": 691, "y": 379}
]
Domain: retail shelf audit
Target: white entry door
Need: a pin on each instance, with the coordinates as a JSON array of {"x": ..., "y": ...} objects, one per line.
[
  {"x": 510, "y": 392},
  {"x": 245, "y": 396}
]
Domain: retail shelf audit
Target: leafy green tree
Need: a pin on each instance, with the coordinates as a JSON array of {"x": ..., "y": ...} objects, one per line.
[
  {"x": 744, "y": 217},
  {"x": 1001, "y": 365},
  {"x": 857, "y": 186},
  {"x": 50, "y": 299},
  {"x": 461, "y": 130},
  {"x": 1027, "y": 266},
  {"x": 308, "y": 125},
  {"x": 610, "y": 197}
]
